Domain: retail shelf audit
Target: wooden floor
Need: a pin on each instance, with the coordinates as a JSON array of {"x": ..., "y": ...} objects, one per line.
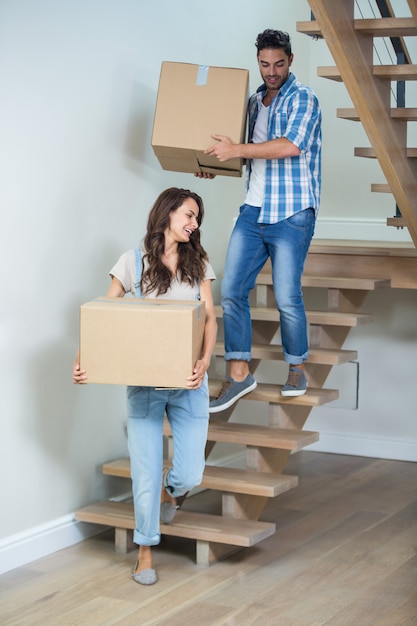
[{"x": 345, "y": 553}]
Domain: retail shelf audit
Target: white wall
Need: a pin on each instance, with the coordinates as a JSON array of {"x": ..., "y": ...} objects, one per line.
[
  {"x": 78, "y": 82},
  {"x": 384, "y": 424}
]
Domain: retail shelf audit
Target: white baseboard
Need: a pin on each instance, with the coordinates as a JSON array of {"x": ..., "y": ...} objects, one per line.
[
  {"x": 359, "y": 229},
  {"x": 394, "y": 450},
  {"x": 35, "y": 543},
  {"x": 39, "y": 541}
]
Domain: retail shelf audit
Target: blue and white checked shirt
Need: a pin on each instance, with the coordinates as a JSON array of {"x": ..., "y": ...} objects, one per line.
[{"x": 292, "y": 184}]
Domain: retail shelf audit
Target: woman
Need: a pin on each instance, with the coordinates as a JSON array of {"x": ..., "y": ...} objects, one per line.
[{"x": 171, "y": 264}]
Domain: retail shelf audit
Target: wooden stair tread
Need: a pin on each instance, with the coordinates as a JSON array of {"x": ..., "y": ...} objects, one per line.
[
  {"x": 384, "y": 259},
  {"x": 369, "y": 153},
  {"x": 387, "y": 26},
  {"x": 308, "y": 27},
  {"x": 272, "y": 393},
  {"x": 339, "y": 282},
  {"x": 227, "y": 479},
  {"x": 362, "y": 248},
  {"x": 235, "y": 480},
  {"x": 390, "y": 72},
  {"x": 199, "y": 526},
  {"x": 119, "y": 467},
  {"x": 377, "y": 27},
  {"x": 406, "y": 71},
  {"x": 322, "y": 356},
  {"x": 333, "y": 282},
  {"x": 380, "y": 188},
  {"x": 324, "y": 318},
  {"x": 261, "y": 436},
  {"x": 398, "y": 222},
  {"x": 404, "y": 113},
  {"x": 257, "y": 436}
]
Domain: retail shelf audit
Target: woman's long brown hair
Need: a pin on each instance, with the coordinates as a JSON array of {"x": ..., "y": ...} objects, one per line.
[{"x": 191, "y": 255}]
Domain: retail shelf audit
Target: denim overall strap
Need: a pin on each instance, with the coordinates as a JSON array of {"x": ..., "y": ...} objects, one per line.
[
  {"x": 197, "y": 286},
  {"x": 138, "y": 256}
]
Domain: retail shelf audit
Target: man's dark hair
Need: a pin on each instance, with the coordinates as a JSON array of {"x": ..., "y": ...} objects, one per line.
[{"x": 274, "y": 39}]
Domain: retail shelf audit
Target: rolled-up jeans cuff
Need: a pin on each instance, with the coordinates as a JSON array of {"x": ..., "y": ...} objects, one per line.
[
  {"x": 142, "y": 540},
  {"x": 238, "y": 356},
  {"x": 295, "y": 360}
]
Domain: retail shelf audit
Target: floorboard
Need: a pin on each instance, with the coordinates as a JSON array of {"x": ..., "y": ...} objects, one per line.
[{"x": 344, "y": 554}]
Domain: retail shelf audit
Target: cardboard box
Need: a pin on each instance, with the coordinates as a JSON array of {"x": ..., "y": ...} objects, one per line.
[
  {"x": 134, "y": 341},
  {"x": 195, "y": 102}
]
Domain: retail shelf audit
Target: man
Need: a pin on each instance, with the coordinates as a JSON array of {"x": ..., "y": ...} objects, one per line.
[{"x": 283, "y": 157}]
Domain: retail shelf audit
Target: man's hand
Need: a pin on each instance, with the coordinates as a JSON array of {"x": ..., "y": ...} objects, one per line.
[
  {"x": 224, "y": 150},
  {"x": 204, "y": 175}
]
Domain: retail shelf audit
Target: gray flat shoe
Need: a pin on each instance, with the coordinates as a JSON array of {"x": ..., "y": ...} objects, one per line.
[
  {"x": 145, "y": 576},
  {"x": 167, "y": 512}
]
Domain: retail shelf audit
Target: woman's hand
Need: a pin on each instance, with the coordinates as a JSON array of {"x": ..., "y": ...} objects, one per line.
[
  {"x": 196, "y": 379},
  {"x": 79, "y": 376},
  {"x": 210, "y": 332}
]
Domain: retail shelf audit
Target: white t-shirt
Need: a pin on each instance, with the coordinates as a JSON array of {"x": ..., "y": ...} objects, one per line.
[
  {"x": 256, "y": 192},
  {"x": 125, "y": 271}
]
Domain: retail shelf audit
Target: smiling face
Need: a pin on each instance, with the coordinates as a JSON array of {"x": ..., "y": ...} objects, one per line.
[
  {"x": 274, "y": 66},
  {"x": 183, "y": 221}
]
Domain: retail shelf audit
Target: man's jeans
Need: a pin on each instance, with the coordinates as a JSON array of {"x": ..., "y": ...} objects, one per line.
[
  {"x": 250, "y": 245},
  {"x": 187, "y": 412}
]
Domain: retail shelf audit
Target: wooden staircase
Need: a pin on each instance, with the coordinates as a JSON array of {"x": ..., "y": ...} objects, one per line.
[
  {"x": 351, "y": 42},
  {"x": 345, "y": 272}
]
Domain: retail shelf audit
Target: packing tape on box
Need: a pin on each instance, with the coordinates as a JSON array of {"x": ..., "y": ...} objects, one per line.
[{"x": 202, "y": 75}]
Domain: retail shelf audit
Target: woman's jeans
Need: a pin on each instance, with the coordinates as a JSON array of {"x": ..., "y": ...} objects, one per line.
[
  {"x": 187, "y": 412},
  {"x": 251, "y": 243}
]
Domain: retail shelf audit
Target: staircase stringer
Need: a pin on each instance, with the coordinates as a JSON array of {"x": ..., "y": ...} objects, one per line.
[
  {"x": 353, "y": 54},
  {"x": 413, "y": 9}
]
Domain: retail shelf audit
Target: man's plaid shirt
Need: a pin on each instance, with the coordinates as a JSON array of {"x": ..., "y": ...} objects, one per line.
[{"x": 293, "y": 183}]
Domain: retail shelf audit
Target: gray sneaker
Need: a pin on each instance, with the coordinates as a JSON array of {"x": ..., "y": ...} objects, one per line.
[
  {"x": 296, "y": 384},
  {"x": 230, "y": 392}
]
